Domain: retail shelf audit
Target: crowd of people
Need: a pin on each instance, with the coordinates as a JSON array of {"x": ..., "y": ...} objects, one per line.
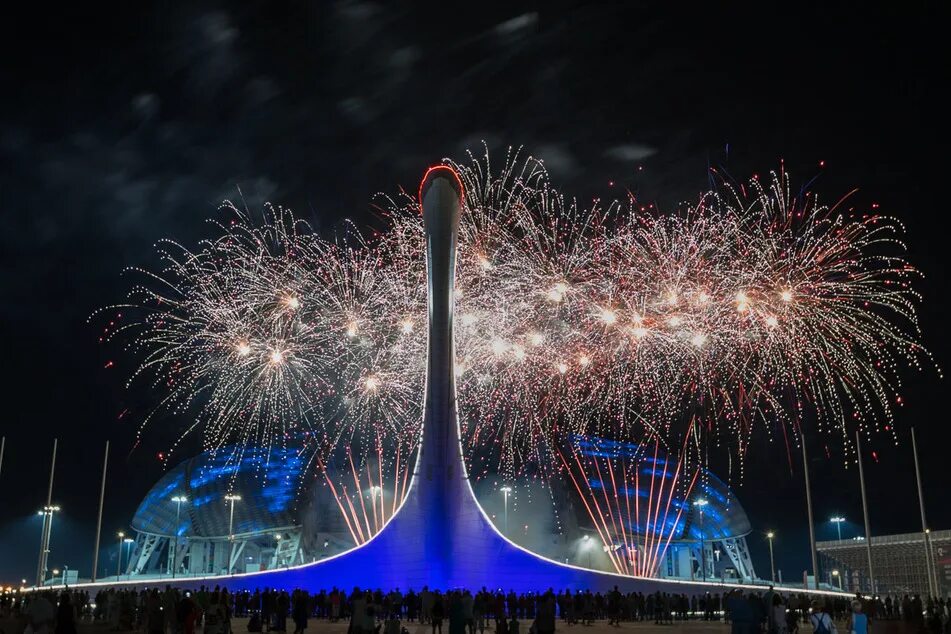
[{"x": 213, "y": 610}]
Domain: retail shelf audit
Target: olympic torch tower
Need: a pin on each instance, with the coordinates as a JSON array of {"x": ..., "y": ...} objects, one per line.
[{"x": 440, "y": 536}]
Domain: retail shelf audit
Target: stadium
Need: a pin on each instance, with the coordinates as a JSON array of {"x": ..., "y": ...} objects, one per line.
[
  {"x": 215, "y": 514},
  {"x": 907, "y": 563}
]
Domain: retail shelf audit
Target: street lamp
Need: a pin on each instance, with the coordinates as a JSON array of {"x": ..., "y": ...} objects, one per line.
[
  {"x": 178, "y": 499},
  {"x": 835, "y": 573},
  {"x": 45, "y": 536},
  {"x": 505, "y": 492},
  {"x": 232, "y": 498},
  {"x": 277, "y": 546},
  {"x": 837, "y": 520},
  {"x": 128, "y": 541},
  {"x": 121, "y": 537},
  {"x": 700, "y": 503},
  {"x": 772, "y": 565}
]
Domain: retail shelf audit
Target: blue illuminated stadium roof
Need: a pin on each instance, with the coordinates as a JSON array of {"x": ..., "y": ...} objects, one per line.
[
  {"x": 723, "y": 517},
  {"x": 266, "y": 480}
]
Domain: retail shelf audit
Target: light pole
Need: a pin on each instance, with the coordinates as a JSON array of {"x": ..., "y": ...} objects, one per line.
[
  {"x": 700, "y": 503},
  {"x": 45, "y": 534},
  {"x": 929, "y": 549},
  {"x": 47, "y": 522},
  {"x": 40, "y": 574},
  {"x": 837, "y": 520},
  {"x": 277, "y": 547},
  {"x": 128, "y": 541},
  {"x": 505, "y": 492},
  {"x": 838, "y": 578},
  {"x": 121, "y": 536},
  {"x": 586, "y": 545},
  {"x": 232, "y": 499},
  {"x": 178, "y": 499},
  {"x": 772, "y": 565}
]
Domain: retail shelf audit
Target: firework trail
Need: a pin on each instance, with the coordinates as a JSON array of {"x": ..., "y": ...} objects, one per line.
[{"x": 748, "y": 309}]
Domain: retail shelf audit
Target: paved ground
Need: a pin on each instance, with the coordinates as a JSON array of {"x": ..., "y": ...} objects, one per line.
[{"x": 322, "y": 627}]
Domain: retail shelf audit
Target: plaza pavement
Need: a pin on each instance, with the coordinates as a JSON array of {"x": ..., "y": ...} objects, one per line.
[{"x": 314, "y": 626}]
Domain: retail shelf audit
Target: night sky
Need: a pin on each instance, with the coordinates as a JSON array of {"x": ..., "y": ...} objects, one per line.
[{"x": 122, "y": 127}]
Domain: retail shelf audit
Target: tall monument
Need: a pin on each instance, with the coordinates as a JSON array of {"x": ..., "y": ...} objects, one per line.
[{"x": 440, "y": 536}]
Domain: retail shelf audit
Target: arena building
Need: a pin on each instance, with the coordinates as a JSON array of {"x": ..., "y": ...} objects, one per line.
[
  {"x": 900, "y": 563},
  {"x": 218, "y": 514},
  {"x": 215, "y": 513}
]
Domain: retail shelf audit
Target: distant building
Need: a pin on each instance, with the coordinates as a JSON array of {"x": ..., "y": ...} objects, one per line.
[{"x": 898, "y": 561}]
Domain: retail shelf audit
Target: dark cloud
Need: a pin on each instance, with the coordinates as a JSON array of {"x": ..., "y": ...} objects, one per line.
[{"x": 630, "y": 152}]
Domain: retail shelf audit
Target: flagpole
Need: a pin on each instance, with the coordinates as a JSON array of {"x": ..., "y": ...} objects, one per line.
[
  {"x": 868, "y": 530},
  {"x": 932, "y": 588},
  {"x": 812, "y": 529},
  {"x": 102, "y": 499}
]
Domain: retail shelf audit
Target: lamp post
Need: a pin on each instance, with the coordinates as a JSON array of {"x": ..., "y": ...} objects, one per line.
[
  {"x": 232, "y": 499},
  {"x": 121, "y": 536},
  {"x": 933, "y": 586},
  {"x": 505, "y": 492},
  {"x": 837, "y": 520},
  {"x": 838, "y": 578},
  {"x": 128, "y": 541},
  {"x": 40, "y": 575},
  {"x": 49, "y": 509},
  {"x": 810, "y": 517},
  {"x": 772, "y": 565},
  {"x": 700, "y": 503},
  {"x": 178, "y": 499},
  {"x": 46, "y": 532}
]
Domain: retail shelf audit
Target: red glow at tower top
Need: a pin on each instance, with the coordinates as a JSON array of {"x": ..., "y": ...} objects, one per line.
[{"x": 435, "y": 171}]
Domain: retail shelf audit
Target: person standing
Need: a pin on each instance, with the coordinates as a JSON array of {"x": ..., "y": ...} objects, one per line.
[
  {"x": 300, "y": 610},
  {"x": 614, "y": 607},
  {"x": 776, "y": 616},
  {"x": 858, "y": 620},
  {"x": 154, "y": 619},
  {"x": 215, "y": 615},
  {"x": 545, "y": 617},
  {"x": 457, "y": 617},
  {"x": 822, "y": 623},
  {"x": 40, "y": 614},
  {"x": 437, "y": 611},
  {"x": 426, "y": 603},
  {"x": 335, "y": 599},
  {"x": 468, "y": 611},
  {"x": 65, "y": 616}
]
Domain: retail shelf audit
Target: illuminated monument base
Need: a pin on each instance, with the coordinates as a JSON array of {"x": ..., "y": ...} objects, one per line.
[{"x": 440, "y": 537}]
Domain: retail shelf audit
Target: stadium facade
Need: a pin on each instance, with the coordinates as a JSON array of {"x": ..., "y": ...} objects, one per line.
[
  {"x": 902, "y": 564},
  {"x": 185, "y": 525}
]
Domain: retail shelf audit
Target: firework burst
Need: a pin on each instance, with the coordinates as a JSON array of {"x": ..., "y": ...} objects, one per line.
[{"x": 750, "y": 308}]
